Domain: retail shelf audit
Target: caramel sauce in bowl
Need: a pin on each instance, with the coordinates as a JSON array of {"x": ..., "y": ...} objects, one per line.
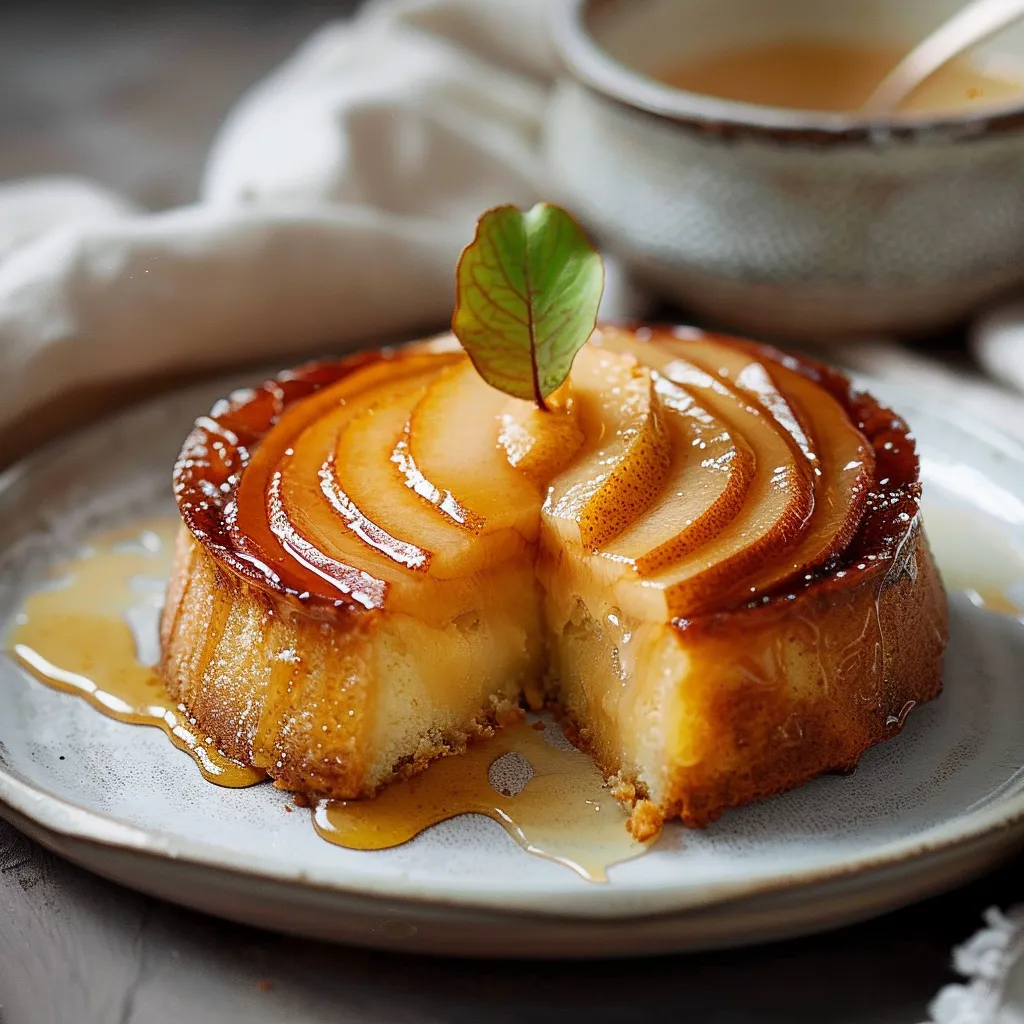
[
  {"x": 713, "y": 147},
  {"x": 834, "y": 76}
]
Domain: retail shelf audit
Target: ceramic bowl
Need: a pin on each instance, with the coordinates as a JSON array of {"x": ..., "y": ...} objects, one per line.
[{"x": 778, "y": 221}]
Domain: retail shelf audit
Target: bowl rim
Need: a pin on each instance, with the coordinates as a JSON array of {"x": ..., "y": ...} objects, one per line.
[{"x": 598, "y": 70}]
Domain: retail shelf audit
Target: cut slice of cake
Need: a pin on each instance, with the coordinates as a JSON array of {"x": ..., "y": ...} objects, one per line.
[{"x": 705, "y": 554}]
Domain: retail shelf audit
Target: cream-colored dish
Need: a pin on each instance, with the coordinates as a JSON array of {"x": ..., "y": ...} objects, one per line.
[{"x": 919, "y": 815}]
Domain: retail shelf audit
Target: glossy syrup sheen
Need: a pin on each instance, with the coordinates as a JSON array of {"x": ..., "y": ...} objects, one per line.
[
  {"x": 74, "y": 635},
  {"x": 563, "y": 813},
  {"x": 823, "y": 75}
]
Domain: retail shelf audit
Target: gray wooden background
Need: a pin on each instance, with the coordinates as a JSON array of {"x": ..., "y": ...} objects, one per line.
[
  {"x": 131, "y": 95},
  {"x": 77, "y": 950}
]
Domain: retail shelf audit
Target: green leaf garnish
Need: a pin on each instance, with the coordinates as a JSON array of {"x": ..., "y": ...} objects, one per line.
[{"x": 527, "y": 289}]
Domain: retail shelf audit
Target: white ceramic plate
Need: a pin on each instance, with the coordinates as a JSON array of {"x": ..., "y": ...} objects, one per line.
[{"x": 925, "y": 811}]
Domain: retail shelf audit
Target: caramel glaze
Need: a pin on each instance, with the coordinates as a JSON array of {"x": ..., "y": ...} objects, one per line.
[
  {"x": 74, "y": 637},
  {"x": 890, "y": 514},
  {"x": 228, "y": 500}
]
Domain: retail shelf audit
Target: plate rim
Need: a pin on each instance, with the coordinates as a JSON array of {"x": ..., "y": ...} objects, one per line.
[
  {"x": 64, "y": 818},
  {"x": 502, "y": 933}
]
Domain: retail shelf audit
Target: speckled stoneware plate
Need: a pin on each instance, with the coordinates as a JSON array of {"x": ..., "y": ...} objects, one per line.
[{"x": 923, "y": 812}]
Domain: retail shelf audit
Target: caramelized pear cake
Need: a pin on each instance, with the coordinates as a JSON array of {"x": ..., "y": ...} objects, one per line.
[{"x": 705, "y": 554}]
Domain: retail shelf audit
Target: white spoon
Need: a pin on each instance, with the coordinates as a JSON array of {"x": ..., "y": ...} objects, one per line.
[{"x": 973, "y": 23}]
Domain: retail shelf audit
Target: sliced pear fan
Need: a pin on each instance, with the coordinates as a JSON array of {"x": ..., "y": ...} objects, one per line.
[
  {"x": 368, "y": 475},
  {"x": 625, "y": 455},
  {"x": 843, "y": 461},
  {"x": 778, "y": 503},
  {"x": 282, "y": 516},
  {"x": 705, "y": 487}
]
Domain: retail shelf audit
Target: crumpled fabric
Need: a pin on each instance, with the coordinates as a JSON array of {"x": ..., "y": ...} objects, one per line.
[
  {"x": 993, "y": 966},
  {"x": 335, "y": 203}
]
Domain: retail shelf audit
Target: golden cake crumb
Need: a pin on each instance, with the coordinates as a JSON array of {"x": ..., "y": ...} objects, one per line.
[{"x": 645, "y": 822}]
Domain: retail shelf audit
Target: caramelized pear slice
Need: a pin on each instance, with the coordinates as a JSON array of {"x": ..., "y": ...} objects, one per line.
[
  {"x": 541, "y": 442},
  {"x": 625, "y": 454},
  {"x": 278, "y": 491},
  {"x": 453, "y": 452},
  {"x": 842, "y": 458},
  {"x": 774, "y": 515},
  {"x": 315, "y": 519},
  {"x": 750, "y": 376},
  {"x": 705, "y": 488},
  {"x": 371, "y": 480},
  {"x": 321, "y": 526}
]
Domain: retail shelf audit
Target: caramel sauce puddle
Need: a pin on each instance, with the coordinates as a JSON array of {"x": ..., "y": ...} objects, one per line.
[
  {"x": 74, "y": 635},
  {"x": 564, "y": 812}
]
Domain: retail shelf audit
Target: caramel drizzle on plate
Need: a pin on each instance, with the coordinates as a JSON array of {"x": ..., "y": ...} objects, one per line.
[
  {"x": 979, "y": 562},
  {"x": 75, "y": 635},
  {"x": 564, "y": 812}
]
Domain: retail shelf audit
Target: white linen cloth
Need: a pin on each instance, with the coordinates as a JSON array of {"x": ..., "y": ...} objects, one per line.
[
  {"x": 993, "y": 963},
  {"x": 335, "y": 201}
]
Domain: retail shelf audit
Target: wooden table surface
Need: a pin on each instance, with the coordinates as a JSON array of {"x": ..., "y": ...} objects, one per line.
[
  {"x": 75, "y": 949},
  {"x": 82, "y": 90}
]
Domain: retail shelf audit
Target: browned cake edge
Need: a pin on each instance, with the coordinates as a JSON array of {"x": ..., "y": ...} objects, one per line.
[
  {"x": 783, "y": 694},
  {"x": 307, "y": 721}
]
